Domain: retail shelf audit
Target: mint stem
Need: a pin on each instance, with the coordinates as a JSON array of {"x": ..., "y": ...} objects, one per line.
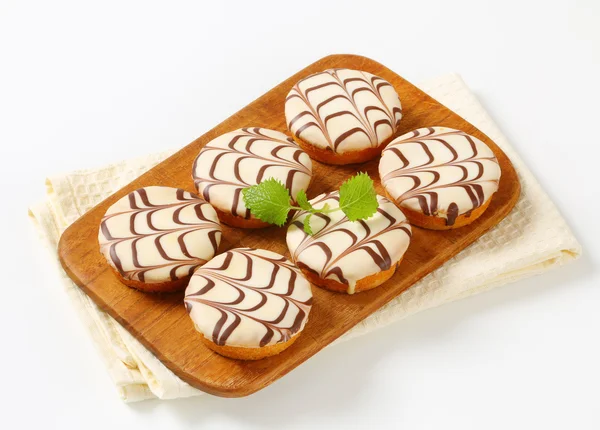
[{"x": 315, "y": 210}]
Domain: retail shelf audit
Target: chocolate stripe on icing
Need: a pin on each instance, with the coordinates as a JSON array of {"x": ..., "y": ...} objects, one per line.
[
  {"x": 243, "y": 158},
  {"x": 159, "y": 234},
  {"x": 347, "y": 251},
  {"x": 440, "y": 172},
  {"x": 343, "y": 110},
  {"x": 248, "y": 297}
]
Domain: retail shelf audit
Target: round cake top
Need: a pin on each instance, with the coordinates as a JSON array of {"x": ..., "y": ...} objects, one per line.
[
  {"x": 159, "y": 234},
  {"x": 248, "y": 298},
  {"x": 348, "y": 251},
  {"x": 439, "y": 171},
  {"x": 343, "y": 110},
  {"x": 245, "y": 157}
]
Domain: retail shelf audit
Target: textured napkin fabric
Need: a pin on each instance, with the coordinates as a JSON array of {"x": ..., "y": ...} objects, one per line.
[{"x": 532, "y": 239}]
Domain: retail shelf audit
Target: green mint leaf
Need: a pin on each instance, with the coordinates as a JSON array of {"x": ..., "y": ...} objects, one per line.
[
  {"x": 307, "y": 227},
  {"x": 302, "y": 201},
  {"x": 268, "y": 201},
  {"x": 358, "y": 199}
]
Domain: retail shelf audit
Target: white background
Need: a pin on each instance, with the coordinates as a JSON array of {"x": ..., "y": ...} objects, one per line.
[{"x": 83, "y": 84}]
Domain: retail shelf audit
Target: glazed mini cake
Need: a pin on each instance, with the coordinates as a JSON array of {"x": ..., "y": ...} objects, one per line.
[
  {"x": 246, "y": 157},
  {"x": 155, "y": 237},
  {"x": 347, "y": 256},
  {"x": 343, "y": 116},
  {"x": 248, "y": 303},
  {"x": 440, "y": 177}
]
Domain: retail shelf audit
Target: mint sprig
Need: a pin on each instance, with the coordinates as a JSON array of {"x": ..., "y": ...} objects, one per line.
[
  {"x": 270, "y": 201},
  {"x": 307, "y": 228},
  {"x": 302, "y": 201},
  {"x": 358, "y": 199}
]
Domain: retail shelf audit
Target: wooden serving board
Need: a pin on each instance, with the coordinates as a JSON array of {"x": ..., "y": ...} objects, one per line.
[{"x": 161, "y": 323}]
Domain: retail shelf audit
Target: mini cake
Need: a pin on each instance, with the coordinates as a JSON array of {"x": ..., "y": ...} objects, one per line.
[
  {"x": 248, "y": 303},
  {"x": 155, "y": 237},
  {"x": 246, "y": 157},
  {"x": 343, "y": 116},
  {"x": 440, "y": 177},
  {"x": 347, "y": 256}
]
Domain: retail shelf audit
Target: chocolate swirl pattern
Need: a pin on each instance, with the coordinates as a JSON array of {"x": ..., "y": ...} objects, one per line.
[
  {"x": 159, "y": 234},
  {"x": 347, "y": 251},
  {"x": 249, "y": 298},
  {"x": 440, "y": 172},
  {"x": 343, "y": 110},
  {"x": 246, "y": 157}
]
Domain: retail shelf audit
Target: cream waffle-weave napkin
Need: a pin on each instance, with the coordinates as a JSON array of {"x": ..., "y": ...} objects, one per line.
[{"x": 531, "y": 240}]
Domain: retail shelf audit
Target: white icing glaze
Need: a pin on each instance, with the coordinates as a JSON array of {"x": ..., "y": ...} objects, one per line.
[
  {"x": 159, "y": 234},
  {"x": 347, "y": 251},
  {"x": 246, "y": 157},
  {"x": 248, "y": 298},
  {"x": 439, "y": 171},
  {"x": 343, "y": 110}
]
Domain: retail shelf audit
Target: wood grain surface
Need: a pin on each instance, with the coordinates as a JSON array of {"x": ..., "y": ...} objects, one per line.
[{"x": 161, "y": 323}]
